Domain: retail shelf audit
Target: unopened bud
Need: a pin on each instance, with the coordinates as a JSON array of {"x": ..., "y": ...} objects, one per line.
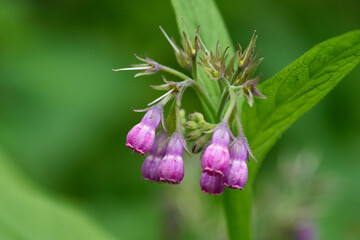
[
  {"x": 201, "y": 143},
  {"x": 192, "y": 125},
  {"x": 193, "y": 135}
]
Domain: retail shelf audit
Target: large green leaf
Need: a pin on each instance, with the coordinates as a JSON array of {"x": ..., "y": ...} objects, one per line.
[
  {"x": 28, "y": 213},
  {"x": 205, "y": 14},
  {"x": 296, "y": 89}
]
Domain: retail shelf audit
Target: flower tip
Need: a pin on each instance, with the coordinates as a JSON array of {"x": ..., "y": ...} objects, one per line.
[
  {"x": 149, "y": 179},
  {"x": 234, "y": 186},
  {"x": 134, "y": 149},
  {"x": 137, "y": 150},
  {"x": 170, "y": 181},
  {"x": 210, "y": 193}
]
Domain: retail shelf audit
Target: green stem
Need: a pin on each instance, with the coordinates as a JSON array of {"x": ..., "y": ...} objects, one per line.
[
  {"x": 239, "y": 128},
  {"x": 177, "y": 116},
  {"x": 225, "y": 93},
  {"x": 231, "y": 119},
  {"x": 238, "y": 206},
  {"x": 222, "y": 103},
  {"x": 229, "y": 112},
  {"x": 194, "y": 69},
  {"x": 174, "y": 72}
]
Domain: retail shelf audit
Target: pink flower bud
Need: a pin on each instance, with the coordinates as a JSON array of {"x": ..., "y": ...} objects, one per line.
[
  {"x": 213, "y": 185},
  {"x": 141, "y": 137},
  {"x": 216, "y": 158},
  {"x": 171, "y": 168},
  {"x": 237, "y": 173},
  {"x": 150, "y": 167}
]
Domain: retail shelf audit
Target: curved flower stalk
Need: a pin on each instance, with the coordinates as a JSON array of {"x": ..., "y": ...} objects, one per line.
[{"x": 224, "y": 160}]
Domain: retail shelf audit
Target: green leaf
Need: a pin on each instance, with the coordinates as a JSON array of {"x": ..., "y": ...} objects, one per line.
[
  {"x": 296, "y": 89},
  {"x": 28, "y": 213},
  {"x": 205, "y": 14}
]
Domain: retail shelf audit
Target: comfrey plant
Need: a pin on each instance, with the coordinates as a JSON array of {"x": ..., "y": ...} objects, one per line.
[
  {"x": 219, "y": 78},
  {"x": 226, "y": 150}
]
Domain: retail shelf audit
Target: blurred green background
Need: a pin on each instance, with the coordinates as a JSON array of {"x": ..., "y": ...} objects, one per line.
[{"x": 64, "y": 116}]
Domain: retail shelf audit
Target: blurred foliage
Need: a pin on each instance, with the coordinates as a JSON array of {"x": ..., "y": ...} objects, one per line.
[
  {"x": 65, "y": 114},
  {"x": 27, "y": 213}
]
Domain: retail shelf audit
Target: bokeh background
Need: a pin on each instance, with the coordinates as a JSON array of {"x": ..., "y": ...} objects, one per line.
[{"x": 64, "y": 116}]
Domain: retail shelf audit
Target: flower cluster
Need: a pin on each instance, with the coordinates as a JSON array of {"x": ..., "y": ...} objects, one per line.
[{"x": 225, "y": 157}]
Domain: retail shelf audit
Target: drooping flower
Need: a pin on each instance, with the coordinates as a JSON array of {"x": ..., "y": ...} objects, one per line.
[
  {"x": 150, "y": 167},
  {"x": 237, "y": 174},
  {"x": 141, "y": 137},
  {"x": 171, "y": 168},
  {"x": 213, "y": 185},
  {"x": 216, "y": 158}
]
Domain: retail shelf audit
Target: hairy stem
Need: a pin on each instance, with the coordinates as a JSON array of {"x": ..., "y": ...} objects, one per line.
[
  {"x": 177, "y": 116},
  {"x": 233, "y": 101},
  {"x": 222, "y": 102},
  {"x": 225, "y": 94}
]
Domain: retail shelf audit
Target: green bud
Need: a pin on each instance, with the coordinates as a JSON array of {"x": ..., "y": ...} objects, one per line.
[
  {"x": 192, "y": 125},
  {"x": 213, "y": 64},
  {"x": 197, "y": 117},
  {"x": 193, "y": 135},
  {"x": 244, "y": 58},
  {"x": 200, "y": 143}
]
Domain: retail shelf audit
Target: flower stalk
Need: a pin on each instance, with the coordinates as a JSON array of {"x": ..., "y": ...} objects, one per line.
[{"x": 225, "y": 158}]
